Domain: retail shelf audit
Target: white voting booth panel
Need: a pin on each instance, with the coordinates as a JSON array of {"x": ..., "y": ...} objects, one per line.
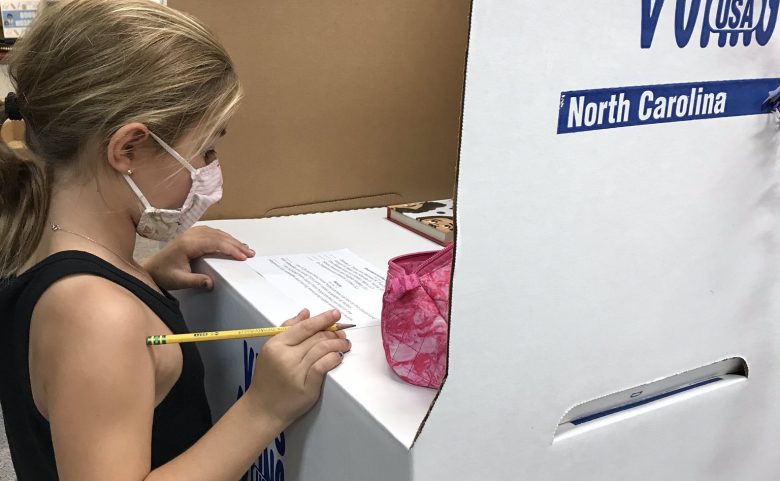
[{"x": 606, "y": 241}]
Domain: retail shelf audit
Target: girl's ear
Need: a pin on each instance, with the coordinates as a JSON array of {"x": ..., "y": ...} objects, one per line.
[{"x": 123, "y": 145}]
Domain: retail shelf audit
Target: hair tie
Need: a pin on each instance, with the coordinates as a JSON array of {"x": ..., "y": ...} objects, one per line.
[{"x": 12, "y": 111}]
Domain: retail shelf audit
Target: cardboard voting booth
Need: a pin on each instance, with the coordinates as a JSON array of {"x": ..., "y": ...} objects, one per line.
[
  {"x": 615, "y": 291},
  {"x": 633, "y": 238}
]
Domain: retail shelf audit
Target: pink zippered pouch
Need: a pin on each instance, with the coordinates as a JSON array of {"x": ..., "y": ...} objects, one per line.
[{"x": 415, "y": 316}]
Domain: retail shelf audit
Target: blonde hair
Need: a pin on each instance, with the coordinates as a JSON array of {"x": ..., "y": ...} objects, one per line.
[{"x": 84, "y": 69}]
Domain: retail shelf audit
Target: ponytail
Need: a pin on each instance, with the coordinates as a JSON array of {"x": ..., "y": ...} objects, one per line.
[{"x": 24, "y": 206}]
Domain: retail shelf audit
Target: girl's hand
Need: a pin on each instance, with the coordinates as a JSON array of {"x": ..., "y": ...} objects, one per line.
[
  {"x": 170, "y": 268},
  {"x": 291, "y": 367}
]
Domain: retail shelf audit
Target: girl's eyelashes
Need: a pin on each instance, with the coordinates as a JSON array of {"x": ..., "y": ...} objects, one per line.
[{"x": 210, "y": 156}]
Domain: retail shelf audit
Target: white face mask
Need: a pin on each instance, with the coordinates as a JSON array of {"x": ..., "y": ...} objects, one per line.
[{"x": 165, "y": 224}]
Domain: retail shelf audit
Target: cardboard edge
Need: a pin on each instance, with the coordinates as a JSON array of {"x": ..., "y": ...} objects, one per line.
[
  {"x": 300, "y": 214},
  {"x": 336, "y": 205},
  {"x": 455, "y": 235}
]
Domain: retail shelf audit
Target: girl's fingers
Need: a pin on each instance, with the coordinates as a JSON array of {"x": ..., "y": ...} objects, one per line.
[
  {"x": 187, "y": 280},
  {"x": 306, "y": 328},
  {"x": 309, "y": 343},
  {"x": 324, "y": 365},
  {"x": 304, "y": 314},
  {"x": 247, "y": 250},
  {"x": 237, "y": 243},
  {"x": 322, "y": 349},
  {"x": 320, "y": 336},
  {"x": 226, "y": 247},
  {"x": 216, "y": 241}
]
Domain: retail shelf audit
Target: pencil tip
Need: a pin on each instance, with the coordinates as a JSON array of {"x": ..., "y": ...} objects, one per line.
[{"x": 341, "y": 326}]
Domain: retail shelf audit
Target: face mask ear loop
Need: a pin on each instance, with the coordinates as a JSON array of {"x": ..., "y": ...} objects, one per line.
[
  {"x": 173, "y": 153},
  {"x": 137, "y": 191}
]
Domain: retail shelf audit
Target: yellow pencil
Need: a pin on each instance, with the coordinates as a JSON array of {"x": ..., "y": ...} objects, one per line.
[{"x": 222, "y": 335}]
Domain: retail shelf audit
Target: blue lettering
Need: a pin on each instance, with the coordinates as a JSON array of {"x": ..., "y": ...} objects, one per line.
[
  {"x": 267, "y": 464},
  {"x": 249, "y": 364},
  {"x": 682, "y": 29},
  {"x": 280, "y": 444},
  {"x": 721, "y": 19},
  {"x": 706, "y": 27},
  {"x": 267, "y": 467},
  {"x": 728, "y": 19},
  {"x": 764, "y": 30},
  {"x": 747, "y": 17},
  {"x": 736, "y": 13},
  {"x": 650, "y": 16}
]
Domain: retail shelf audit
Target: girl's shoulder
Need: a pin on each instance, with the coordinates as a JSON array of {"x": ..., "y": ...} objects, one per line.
[
  {"x": 92, "y": 305},
  {"x": 82, "y": 329}
]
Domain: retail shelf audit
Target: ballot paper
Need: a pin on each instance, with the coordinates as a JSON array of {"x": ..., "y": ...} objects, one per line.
[{"x": 327, "y": 280}]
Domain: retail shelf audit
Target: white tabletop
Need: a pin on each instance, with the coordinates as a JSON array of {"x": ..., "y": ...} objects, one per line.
[{"x": 399, "y": 407}]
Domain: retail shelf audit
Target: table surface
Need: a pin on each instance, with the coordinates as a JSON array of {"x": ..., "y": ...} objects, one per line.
[{"x": 398, "y": 407}]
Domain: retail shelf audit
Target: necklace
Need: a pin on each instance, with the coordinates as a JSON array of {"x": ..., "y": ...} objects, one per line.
[{"x": 57, "y": 228}]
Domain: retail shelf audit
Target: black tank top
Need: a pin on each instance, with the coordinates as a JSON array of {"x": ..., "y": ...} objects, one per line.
[{"x": 179, "y": 420}]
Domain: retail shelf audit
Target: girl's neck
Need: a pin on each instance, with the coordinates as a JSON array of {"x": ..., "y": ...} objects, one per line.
[{"x": 88, "y": 221}]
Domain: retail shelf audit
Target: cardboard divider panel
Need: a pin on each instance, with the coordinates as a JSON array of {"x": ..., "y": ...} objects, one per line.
[{"x": 348, "y": 104}]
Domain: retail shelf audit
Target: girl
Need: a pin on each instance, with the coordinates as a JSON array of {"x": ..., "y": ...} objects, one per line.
[{"x": 124, "y": 101}]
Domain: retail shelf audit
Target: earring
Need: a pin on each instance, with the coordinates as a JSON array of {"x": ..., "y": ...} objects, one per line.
[{"x": 129, "y": 172}]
